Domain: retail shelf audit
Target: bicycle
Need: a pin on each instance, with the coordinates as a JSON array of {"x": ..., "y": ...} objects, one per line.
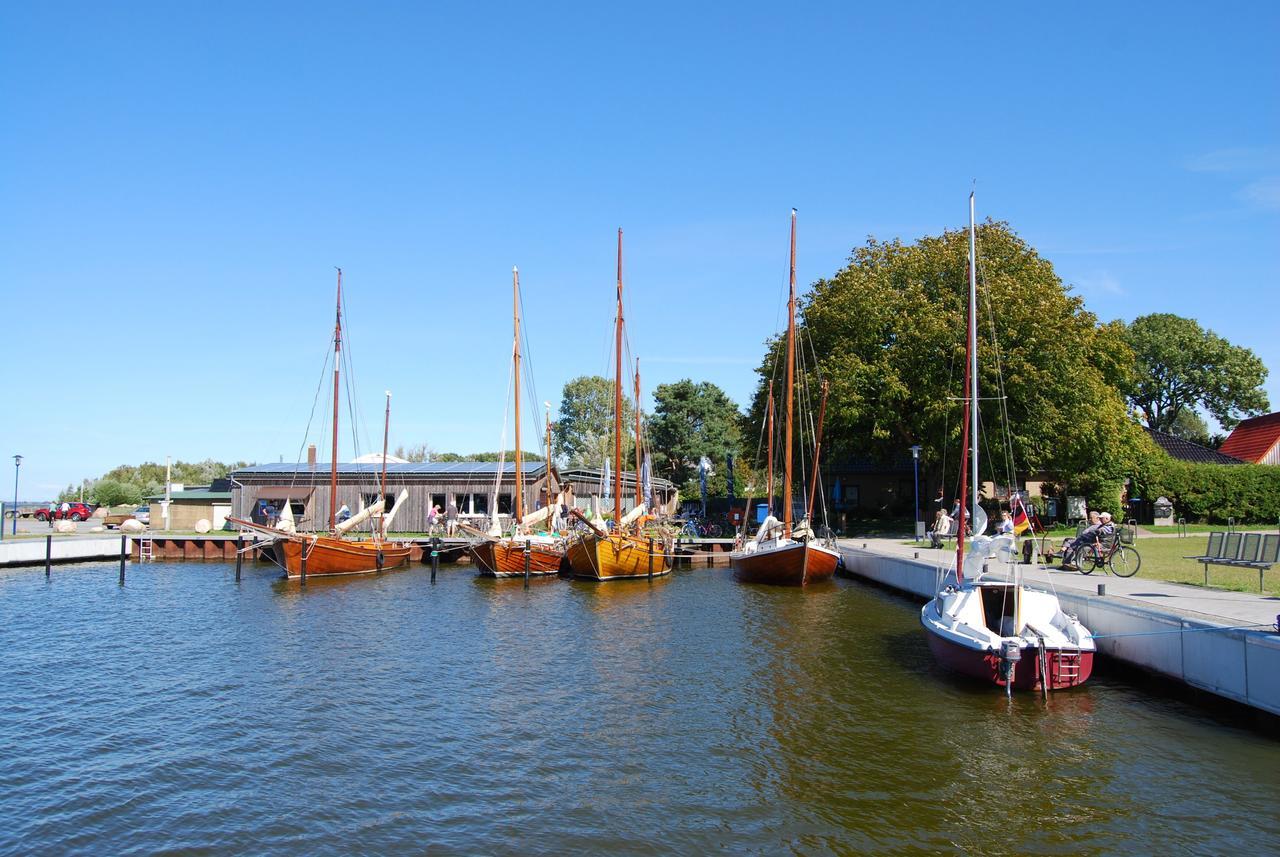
[{"x": 1120, "y": 559}]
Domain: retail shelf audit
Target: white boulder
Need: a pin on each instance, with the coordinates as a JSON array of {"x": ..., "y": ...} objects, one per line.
[
  {"x": 64, "y": 526},
  {"x": 133, "y": 525},
  {"x": 203, "y": 525}
]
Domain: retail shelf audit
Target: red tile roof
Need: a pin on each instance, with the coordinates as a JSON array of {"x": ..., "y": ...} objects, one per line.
[{"x": 1253, "y": 439}]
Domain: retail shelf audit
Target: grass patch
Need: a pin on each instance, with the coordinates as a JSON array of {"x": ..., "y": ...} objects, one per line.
[
  {"x": 1209, "y": 528},
  {"x": 1162, "y": 559}
]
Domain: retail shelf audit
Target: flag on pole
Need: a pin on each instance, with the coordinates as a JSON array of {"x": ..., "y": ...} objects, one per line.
[{"x": 1021, "y": 522}]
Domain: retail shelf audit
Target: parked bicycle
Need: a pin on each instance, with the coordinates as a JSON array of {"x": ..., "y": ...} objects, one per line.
[{"x": 1120, "y": 559}]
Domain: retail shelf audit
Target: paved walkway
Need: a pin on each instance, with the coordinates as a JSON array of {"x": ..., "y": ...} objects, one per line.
[{"x": 1215, "y": 605}]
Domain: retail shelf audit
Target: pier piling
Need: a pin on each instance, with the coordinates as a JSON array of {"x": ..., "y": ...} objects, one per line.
[
  {"x": 379, "y": 565},
  {"x": 304, "y": 566},
  {"x": 239, "y": 555},
  {"x": 124, "y": 554},
  {"x": 435, "y": 557},
  {"x": 651, "y": 558},
  {"x": 526, "y": 565},
  {"x": 48, "y": 556}
]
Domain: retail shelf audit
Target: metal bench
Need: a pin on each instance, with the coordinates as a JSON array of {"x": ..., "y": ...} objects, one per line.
[{"x": 1241, "y": 550}]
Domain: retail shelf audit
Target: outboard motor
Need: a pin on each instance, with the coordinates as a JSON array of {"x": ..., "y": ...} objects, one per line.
[{"x": 1010, "y": 654}]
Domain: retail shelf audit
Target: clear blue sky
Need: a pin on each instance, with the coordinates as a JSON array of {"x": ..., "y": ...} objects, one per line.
[{"x": 179, "y": 179}]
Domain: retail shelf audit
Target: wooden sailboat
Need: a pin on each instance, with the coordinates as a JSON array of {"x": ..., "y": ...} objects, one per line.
[
  {"x": 330, "y": 554},
  {"x": 625, "y": 552},
  {"x": 998, "y": 630},
  {"x": 778, "y": 554},
  {"x": 519, "y": 553}
]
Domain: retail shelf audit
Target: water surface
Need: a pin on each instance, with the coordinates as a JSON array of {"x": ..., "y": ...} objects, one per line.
[{"x": 185, "y": 713}]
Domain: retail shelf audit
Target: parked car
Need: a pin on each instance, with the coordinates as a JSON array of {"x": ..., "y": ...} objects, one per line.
[
  {"x": 75, "y": 512},
  {"x": 143, "y": 514}
]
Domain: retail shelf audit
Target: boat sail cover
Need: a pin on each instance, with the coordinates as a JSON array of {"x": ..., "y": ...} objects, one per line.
[{"x": 360, "y": 517}]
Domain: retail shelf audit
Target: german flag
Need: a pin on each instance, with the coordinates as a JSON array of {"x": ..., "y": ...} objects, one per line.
[{"x": 1021, "y": 523}]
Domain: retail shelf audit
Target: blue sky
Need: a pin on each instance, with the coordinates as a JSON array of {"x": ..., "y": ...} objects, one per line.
[{"x": 179, "y": 180}]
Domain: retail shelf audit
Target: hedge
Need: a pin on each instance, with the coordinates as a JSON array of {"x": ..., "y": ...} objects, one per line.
[{"x": 1211, "y": 493}]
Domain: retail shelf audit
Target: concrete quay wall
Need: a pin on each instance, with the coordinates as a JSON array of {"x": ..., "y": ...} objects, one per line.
[
  {"x": 31, "y": 551},
  {"x": 1243, "y": 666}
]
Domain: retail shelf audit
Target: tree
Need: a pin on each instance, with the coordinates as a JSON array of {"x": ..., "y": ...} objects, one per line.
[
  {"x": 416, "y": 453},
  {"x": 888, "y": 332},
  {"x": 1179, "y": 365},
  {"x": 1189, "y": 426},
  {"x": 110, "y": 492},
  {"x": 584, "y": 432},
  {"x": 689, "y": 421}
]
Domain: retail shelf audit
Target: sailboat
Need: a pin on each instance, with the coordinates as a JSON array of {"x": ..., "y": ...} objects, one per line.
[
  {"x": 624, "y": 552},
  {"x": 780, "y": 553},
  {"x": 330, "y": 554},
  {"x": 523, "y": 551},
  {"x": 998, "y": 630}
]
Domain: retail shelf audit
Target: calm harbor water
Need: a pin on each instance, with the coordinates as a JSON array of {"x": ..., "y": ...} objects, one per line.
[{"x": 184, "y": 713}]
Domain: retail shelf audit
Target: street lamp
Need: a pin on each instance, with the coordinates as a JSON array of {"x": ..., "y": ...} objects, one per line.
[
  {"x": 17, "y": 462},
  {"x": 915, "y": 467}
]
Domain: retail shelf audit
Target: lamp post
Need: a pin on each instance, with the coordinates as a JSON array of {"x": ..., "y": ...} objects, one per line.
[
  {"x": 17, "y": 462},
  {"x": 915, "y": 467}
]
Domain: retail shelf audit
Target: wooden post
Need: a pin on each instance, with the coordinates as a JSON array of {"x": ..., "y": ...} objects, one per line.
[
  {"x": 526, "y": 565},
  {"x": 48, "y": 554},
  {"x": 239, "y": 555},
  {"x": 435, "y": 557},
  {"x": 304, "y": 564},
  {"x": 124, "y": 554},
  {"x": 379, "y": 564}
]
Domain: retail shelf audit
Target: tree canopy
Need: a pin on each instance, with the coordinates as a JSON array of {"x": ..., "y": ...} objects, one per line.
[
  {"x": 691, "y": 420},
  {"x": 131, "y": 483},
  {"x": 1179, "y": 365},
  {"x": 583, "y": 432},
  {"x": 888, "y": 332}
]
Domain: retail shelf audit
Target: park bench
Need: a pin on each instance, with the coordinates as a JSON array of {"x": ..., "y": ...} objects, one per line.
[{"x": 1241, "y": 550}]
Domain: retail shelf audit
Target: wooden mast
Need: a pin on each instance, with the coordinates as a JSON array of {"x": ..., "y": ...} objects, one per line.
[
  {"x": 515, "y": 352},
  {"x": 333, "y": 460},
  {"x": 386, "y": 430},
  {"x": 769, "y": 419},
  {"x": 617, "y": 398},
  {"x": 791, "y": 368},
  {"x": 639, "y": 486},
  {"x": 548, "y": 473},
  {"x": 817, "y": 453}
]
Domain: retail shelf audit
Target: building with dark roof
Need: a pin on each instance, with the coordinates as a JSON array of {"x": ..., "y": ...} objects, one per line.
[
  {"x": 471, "y": 486},
  {"x": 1255, "y": 440},
  {"x": 1186, "y": 450}
]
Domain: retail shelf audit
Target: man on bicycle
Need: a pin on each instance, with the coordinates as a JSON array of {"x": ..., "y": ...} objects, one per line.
[{"x": 1091, "y": 536}]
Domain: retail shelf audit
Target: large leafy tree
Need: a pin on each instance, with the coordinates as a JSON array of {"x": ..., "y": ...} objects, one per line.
[
  {"x": 888, "y": 332},
  {"x": 583, "y": 434},
  {"x": 1179, "y": 365},
  {"x": 691, "y": 420}
]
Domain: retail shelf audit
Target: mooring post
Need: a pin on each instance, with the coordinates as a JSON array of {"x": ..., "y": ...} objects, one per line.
[
  {"x": 435, "y": 557},
  {"x": 48, "y": 554},
  {"x": 304, "y": 566},
  {"x": 651, "y": 557},
  {"x": 239, "y": 555},
  {"x": 124, "y": 553},
  {"x": 1102, "y": 589},
  {"x": 379, "y": 569},
  {"x": 526, "y": 565}
]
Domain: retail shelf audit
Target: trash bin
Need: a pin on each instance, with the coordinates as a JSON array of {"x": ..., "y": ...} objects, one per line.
[{"x": 762, "y": 512}]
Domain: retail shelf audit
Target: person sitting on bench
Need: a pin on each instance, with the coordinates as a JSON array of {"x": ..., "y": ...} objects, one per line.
[{"x": 942, "y": 527}]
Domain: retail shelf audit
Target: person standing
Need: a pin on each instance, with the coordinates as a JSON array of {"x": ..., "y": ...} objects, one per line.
[{"x": 451, "y": 518}]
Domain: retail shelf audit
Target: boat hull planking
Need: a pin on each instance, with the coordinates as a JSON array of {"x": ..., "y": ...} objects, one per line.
[
  {"x": 328, "y": 556},
  {"x": 592, "y": 557},
  {"x": 506, "y": 558},
  {"x": 794, "y": 564}
]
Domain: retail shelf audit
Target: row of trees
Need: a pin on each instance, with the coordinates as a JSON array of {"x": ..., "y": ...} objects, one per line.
[
  {"x": 131, "y": 483},
  {"x": 1065, "y": 390}
]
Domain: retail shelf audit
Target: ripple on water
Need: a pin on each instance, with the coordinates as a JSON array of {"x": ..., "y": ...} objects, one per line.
[{"x": 186, "y": 713}]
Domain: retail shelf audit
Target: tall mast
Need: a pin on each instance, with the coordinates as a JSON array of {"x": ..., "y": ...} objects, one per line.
[
  {"x": 639, "y": 486},
  {"x": 791, "y": 369},
  {"x": 333, "y": 460},
  {"x": 386, "y": 430},
  {"x": 515, "y": 352},
  {"x": 769, "y": 418},
  {"x": 817, "y": 452},
  {"x": 548, "y": 473},
  {"x": 617, "y": 398},
  {"x": 973, "y": 350}
]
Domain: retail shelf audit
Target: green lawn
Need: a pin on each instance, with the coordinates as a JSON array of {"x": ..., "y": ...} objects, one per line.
[{"x": 1211, "y": 528}]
